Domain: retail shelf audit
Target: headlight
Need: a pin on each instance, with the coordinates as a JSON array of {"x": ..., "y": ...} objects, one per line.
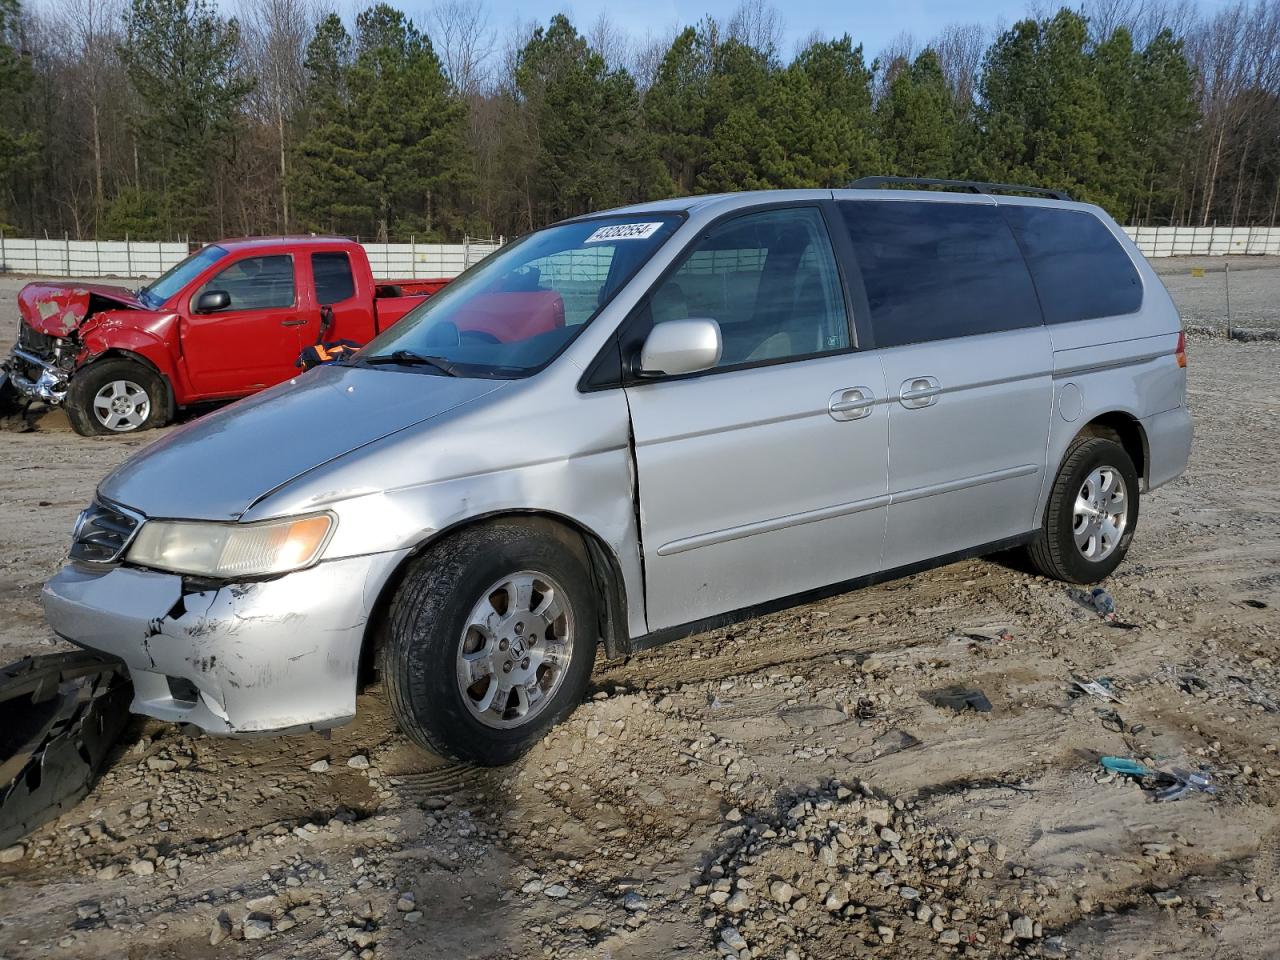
[{"x": 227, "y": 551}]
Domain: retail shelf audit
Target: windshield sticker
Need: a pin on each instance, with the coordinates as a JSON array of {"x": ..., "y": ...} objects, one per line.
[{"x": 624, "y": 231}]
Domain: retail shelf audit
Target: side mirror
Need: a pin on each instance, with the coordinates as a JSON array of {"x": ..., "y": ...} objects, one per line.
[
  {"x": 681, "y": 346},
  {"x": 211, "y": 301}
]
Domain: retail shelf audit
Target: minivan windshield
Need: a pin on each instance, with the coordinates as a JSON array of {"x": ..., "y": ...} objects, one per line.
[
  {"x": 177, "y": 277},
  {"x": 511, "y": 314}
]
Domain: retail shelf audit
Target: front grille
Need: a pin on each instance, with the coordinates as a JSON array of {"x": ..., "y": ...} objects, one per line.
[
  {"x": 41, "y": 344},
  {"x": 102, "y": 533}
]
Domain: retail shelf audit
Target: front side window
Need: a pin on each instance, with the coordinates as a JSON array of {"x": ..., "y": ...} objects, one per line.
[
  {"x": 769, "y": 279},
  {"x": 175, "y": 278},
  {"x": 1080, "y": 269},
  {"x": 255, "y": 283},
  {"x": 519, "y": 307},
  {"x": 934, "y": 270}
]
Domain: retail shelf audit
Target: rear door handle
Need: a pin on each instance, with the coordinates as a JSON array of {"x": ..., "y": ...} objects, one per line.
[
  {"x": 293, "y": 323},
  {"x": 919, "y": 392},
  {"x": 852, "y": 403}
]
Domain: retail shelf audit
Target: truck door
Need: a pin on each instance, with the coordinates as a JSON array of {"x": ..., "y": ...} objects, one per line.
[
  {"x": 252, "y": 342},
  {"x": 335, "y": 286}
]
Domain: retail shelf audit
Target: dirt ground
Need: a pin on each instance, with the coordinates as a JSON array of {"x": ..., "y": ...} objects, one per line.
[{"x": 783, "y": 788}]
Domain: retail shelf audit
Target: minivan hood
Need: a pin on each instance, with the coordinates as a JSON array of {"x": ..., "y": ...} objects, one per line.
[
  {"x": 55, "y": 309},
  {"x": 216, "y": 467}
]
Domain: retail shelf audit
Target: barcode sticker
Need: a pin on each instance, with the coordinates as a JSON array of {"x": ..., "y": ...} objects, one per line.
[{"x": 624, "y": 231}]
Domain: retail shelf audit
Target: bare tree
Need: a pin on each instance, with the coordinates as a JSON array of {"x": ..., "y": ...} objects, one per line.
[
  {"x": 960, "y": 47},
  {"x": 275, "y": 34},
  {"x": 89, "y": 33},
  {"x": 757, "y": 24},
  {"x": 897, "y": 54},
  {"x": 647, "y": 55},
  {"x": 465, "y": 43},
  {"x": 610, "y": 41}
]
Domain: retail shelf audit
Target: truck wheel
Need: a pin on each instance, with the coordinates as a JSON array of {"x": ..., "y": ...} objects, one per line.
[
  {"x": 491, "y": 639},
  {"x": 116, "y": 396},
  {"x": 1091, "y": 515}
]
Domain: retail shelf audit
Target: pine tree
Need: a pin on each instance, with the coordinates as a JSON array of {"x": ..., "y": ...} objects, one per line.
[
  {"x": 181, "y": 58},
  {"x": 385, "y": 153},
  {"x": 18, "y": 141},
  {"x": 918, "y": 121},
  {"x": 587, "y": 149}
]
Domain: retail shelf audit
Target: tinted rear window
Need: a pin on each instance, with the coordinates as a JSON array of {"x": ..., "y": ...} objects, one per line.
[
  {"x": 936, "y": 270},
  {"x": 334, "y": 281},
  {"x": 1079, "y": 267}
]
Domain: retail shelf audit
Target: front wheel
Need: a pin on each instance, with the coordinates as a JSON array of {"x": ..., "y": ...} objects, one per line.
[
  {"x": 491, "y": 639},
  {"x": 1092, "y": 513},
  {"x": 116, "y": 396}
]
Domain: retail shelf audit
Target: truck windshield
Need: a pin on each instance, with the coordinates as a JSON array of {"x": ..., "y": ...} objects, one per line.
[
  {"x": 175, "y": 278},
  {"x": 511, "y": 314}
]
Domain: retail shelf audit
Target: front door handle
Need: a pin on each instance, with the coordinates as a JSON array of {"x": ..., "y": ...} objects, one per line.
[
  {"x": 919, "y": 392},
  {"x": 853, "y": 403},
  {"x": 293, "y": 323}
]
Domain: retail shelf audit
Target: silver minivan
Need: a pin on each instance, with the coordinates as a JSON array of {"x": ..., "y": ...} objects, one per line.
[{"x": 630, "y": 427}]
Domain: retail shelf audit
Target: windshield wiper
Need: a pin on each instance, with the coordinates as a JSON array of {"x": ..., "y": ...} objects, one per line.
[{"x": 408, "y": 358}]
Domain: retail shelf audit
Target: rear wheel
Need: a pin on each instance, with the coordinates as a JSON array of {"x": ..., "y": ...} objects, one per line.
[
  {"x": 1091, "y": 515},
  {"x": 491, "y": 640},
  {"x": 116, "y": 396}
]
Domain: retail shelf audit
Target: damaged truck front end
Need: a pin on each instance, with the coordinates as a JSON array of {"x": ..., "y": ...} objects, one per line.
[{"x": 50, "y": 344}]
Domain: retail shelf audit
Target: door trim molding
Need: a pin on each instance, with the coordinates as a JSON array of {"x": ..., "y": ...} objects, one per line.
[
  {"x": 950, "y": 486},
  {"x": 771, "y": 525}
]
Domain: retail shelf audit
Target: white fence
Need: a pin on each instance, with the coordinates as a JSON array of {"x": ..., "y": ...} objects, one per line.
[
  {"x": 88, "y": 258},
  {"x": 1205, "y": 241},
  {"x": 136, "y": 258}
]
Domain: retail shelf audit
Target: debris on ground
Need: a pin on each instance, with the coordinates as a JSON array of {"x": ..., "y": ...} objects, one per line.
[
  {"x": 1100, "y": 688},
  {"x": 961, "y": 699}
]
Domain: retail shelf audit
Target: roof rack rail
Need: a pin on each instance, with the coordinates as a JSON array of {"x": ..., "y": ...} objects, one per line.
[{"x": 977, "y": 186}]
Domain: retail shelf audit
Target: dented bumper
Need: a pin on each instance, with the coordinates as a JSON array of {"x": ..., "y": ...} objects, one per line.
[{"x": 263, "y": 657}]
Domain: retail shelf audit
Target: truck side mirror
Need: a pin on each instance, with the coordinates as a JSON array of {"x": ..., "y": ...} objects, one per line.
[
  {"x": 211, "y": 301},
  {"x": 681, "y": 346}
]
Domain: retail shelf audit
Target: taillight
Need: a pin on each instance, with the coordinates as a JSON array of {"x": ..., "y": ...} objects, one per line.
[{"x": 1180, "y": 352}]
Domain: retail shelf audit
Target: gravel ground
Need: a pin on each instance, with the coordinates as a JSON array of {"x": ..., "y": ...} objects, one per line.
[
  {"x": 783, "y": 788},
  {"x": 1253, "y": 285}
]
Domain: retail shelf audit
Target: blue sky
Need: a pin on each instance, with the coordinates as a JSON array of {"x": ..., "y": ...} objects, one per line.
[{"x": 873, "y": 24}]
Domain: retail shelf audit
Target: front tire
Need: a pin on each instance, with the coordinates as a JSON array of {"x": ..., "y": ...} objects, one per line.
[
  {"x": 1091, "y": 515},
  {"x": 116, "y": 396},
  {"x": 491, "y": 639}
]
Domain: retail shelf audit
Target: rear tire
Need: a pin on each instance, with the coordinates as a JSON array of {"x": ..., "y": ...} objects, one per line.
[
  {"x": 1092, "y": 513},
  {"x": 491, "y": 639},
  {"x": 116, "y": 396}
]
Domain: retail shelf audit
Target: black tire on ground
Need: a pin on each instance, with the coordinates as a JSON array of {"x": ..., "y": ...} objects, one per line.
[
  {"x": 87, "y": 382},
  {"x": 11, "y": 401},
  {"x": 427, "y": 629},
  {"x": 1054, "y": 552}
]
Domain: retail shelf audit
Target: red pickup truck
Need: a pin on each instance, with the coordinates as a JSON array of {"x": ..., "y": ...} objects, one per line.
[{"x": 228, "y": 321}]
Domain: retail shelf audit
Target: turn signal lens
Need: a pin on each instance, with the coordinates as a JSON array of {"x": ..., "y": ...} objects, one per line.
[
  {"x": 1180, "y": 352},
  {"x": 228, "y": 551}
]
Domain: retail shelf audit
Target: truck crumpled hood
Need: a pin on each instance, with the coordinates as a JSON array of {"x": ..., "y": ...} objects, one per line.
[
  {"x": 216, "y": 467},
  {"x": 56, "y": 309}
]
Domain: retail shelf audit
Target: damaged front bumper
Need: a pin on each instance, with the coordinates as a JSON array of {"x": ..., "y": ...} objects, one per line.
[
  {"x": 273, "y": 656},
  {"x": 34, "y": 377}
]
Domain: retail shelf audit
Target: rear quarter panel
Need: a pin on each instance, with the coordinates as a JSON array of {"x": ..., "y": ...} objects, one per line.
[{"x": 1122, "y": 364}]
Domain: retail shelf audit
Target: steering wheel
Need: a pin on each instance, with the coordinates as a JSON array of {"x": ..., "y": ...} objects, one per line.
[{"x": 480, "y": 336}]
